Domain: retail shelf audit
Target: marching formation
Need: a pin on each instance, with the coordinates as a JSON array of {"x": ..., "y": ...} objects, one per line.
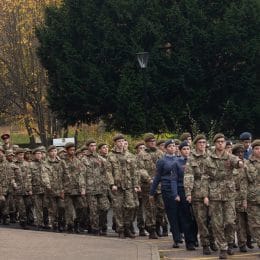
[{"x": 197, "y": 190}]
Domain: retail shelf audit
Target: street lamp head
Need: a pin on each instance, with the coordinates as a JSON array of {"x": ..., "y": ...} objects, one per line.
[{"x": 142, "y": 58}]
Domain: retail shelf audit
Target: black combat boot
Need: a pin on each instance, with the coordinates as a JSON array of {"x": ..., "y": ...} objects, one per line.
[
  {"x": 223, "y": 254},
  {"x": 142, "y": 232},
  {"x": 13, "y": 218},
  {"x": 132, "y": 229},
  {"x": 243, "y": 249},
  {"x": 152, "y": 234},
  {"x": 230, "y": 249},
  {"x": 165, "y": 231},
  {"x": 128, "y": 233},
  {"x": 70, "y": 228},
  {"x": 158, "y": 229},
  {"x": 175, "y": 245},
  {"x": 6, "y": 220},
  {"x": 190, "y": 247},
  {"x": 206, "y": 250},
  {"x": 213, "y": 246},
  {"x": 249, "y": 242},
  {"x": 95, "y": 232}
]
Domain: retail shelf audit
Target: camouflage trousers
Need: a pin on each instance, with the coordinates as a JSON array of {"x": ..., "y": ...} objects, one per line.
[
  {"x": 20, "y": 204},
  {"x": 38, "y": 204},
  {"x": 153, "y": 212},
  {"x": 201, "y": 213},
  {"x": 54, "y": 206},
  {"x": 74, "y": 206},
  {"x": 253, "y": 211},
  {"x": 242, "y": 228},
  {"x": 139, "y": 213},
  {"x": 98, "y": 208},
  {"x": 123, "y": 208},
  {"x": 223, "y": 216},
  {"x": 4, "y": 206}
]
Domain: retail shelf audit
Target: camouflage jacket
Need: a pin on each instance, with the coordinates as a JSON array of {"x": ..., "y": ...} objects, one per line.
[
  {"x": 96, "y": 175},
  {"x": 73, "y": 176},
  {"x": 146, "y": 165},
  {"x": 241, "y": 187},
  {"x": 55, "y": 176},
  {"x": 23, "y": 178},
  {"x": 219, "y": 179},
  {"x": 7, "y": 181},
  {"x": 121, "y": 170},
  {"x": 253, "y": 178},
  {"x": 195, "y": 171},
  {"x": 40, "y": 177}
]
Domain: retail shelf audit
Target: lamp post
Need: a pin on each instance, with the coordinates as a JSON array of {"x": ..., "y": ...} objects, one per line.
[{"x": 142, "y": 58}]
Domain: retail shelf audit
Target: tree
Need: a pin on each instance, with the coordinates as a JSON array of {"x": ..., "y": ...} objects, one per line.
[
  {"x": 23, "y": 80},
  {"x": 209, "y": 74}
]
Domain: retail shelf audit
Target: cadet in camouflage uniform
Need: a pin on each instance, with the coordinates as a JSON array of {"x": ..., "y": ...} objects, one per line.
[
  {"x": 253, "y": 191},
  {"x": 56, "y": 197},
  {"x": 7, "y": 185},
  {"x": 9, "y": 155},
  {"x": 140, "y": 146},
  {"x": 96, "y": 188},
  {"x": 74, "y": 188},
  {"x": 241, "y": 200},
  {"x": 6, "y": 142},
  {"x": 194, "y": 172},
  {"x": 221, "y": 194},
  {"x": 121, "y": 172},
  {"x": 146, "y": 164},
  {"x": 135, "y": 194},
  {"x": 40, "y": 185},
  {"x": 23, "y": 191},
  {"x": 103, "y": 151}
]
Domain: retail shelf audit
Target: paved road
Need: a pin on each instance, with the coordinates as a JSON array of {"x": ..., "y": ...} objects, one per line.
[
  {"x": 166, "y": 252},
  {"x": 17, "y": 244}
]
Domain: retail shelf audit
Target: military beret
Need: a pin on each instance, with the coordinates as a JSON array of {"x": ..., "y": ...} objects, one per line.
[
  {"x": 101, "y": 145},
  {"x": 237, "y": 147},
  {"x": 148, "y": 137},
  {"x": 83, "y": 148},
  {"x": 177, "y": 141},
  {"x": 36, "y": 150},
  {"x": 183, "y": 144},
  {"x": 61, "y": 150},
  {"x": 27, "y": 150},
  {"x": 168, "y": 142},
  {"x": 9, "y": 152},
  {"x": 217, "y": 136},
  {"x": 2, "y": 149},
  {"x": 15, "y": 146},
  {"x": 68, "y": 145},
  {"x": 43, "y": 148},
  {"x": 185, "y": 136},
  {"x": 199, "y": 137},
  {"x": 228, "y": 142},
  {"x": 256, "y": 143},
  {"x": 118, "y": 137},
  {"x": 90, "y": 141},
  {"x": 78, "y": 151},
  {"x": 138, "y": 144},
  {"x": 245, "y": 136},
  {"x": 51, "y": 147},
  {"x": 159, "y": 142},
  {"x": 19, "y": 150},
  {"x": 5, "y": 136}
]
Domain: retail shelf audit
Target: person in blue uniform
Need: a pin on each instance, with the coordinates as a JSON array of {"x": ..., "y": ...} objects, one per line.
[
  {"x": 164, "y": 176},
  {"x": 184, "y": 208}
]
